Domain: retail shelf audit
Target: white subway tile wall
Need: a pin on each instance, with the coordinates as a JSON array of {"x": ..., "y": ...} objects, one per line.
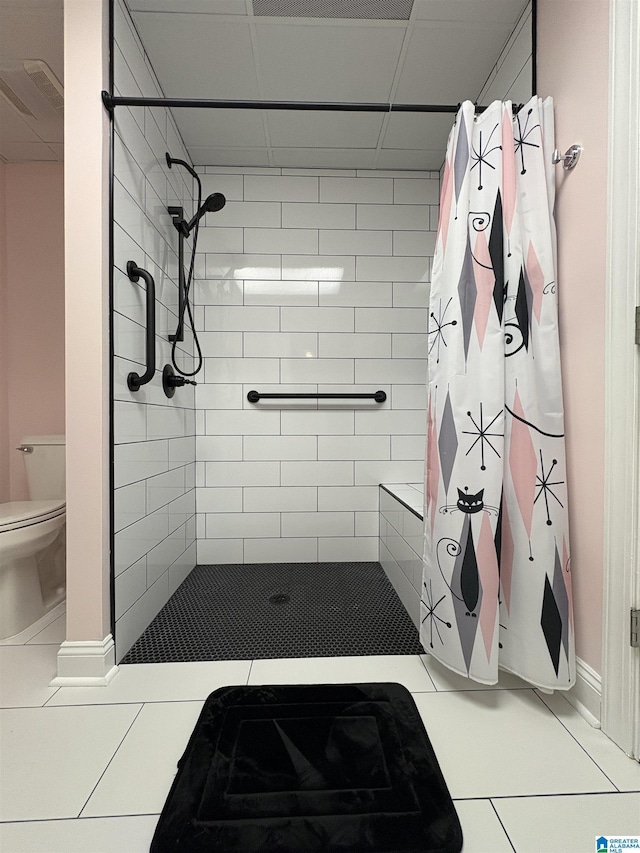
[
  {"x": 328, "y": 293},
  {"x": 401, "y": 533},
  {"x": 154, "y": 437}
]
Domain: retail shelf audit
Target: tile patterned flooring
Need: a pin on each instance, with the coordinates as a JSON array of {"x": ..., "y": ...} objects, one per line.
[
  {"x": 278, "y": 610},
  {"x": 87, "y": 770}
]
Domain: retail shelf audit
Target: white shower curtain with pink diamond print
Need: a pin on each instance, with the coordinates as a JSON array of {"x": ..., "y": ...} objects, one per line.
[{"x": 496, "y": 589}]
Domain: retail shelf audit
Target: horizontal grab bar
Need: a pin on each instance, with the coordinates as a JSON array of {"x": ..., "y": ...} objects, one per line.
[
  {"x": 255, "y": 396},
  {"x": 134, "y": 380}
]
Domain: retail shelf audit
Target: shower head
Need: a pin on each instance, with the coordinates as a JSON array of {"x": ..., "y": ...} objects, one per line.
[
  {"x": 214, "y": 202},
  {"x": 211, "y": 204}
]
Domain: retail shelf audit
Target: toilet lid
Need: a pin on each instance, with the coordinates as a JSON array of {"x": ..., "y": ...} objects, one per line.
[{"x": 17, "y": 514}]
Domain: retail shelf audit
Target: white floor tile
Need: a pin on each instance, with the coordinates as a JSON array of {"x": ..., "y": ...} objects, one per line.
[
  {"x": 53, "y": 757},
  {"x": 138, "y": 778},
  {"x": 82, "y": 835},
  {"x": 159, "y": 682},
  {"x": 445, "y": 679},
  {"x": 403, "y": 669},
  {"x": 623, "y": 771},
  {"x": 55, "y": 633},
  {"x": 481, "y": 829},
  {"x": 568, "y": 824},
  {"x": 25, "y": 673},
  {"x": 24, "y": 636},
  {"x": 505, "y": 743}
]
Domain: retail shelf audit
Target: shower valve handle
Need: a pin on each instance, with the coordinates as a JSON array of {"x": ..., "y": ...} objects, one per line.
[{"x": 171, "y": 381}]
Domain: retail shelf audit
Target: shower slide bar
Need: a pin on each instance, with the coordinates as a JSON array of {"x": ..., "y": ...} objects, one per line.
[
  {"x": 111, "y": 101},
  {"x": 255, "y": 396},
  {"x": 134, "y": 380}
]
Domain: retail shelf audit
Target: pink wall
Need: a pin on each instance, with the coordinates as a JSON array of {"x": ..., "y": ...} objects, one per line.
[
  {"x": 4, "y": 394},
  {"x": 33, "y": 319},
  {"x": 573, "y": 52}
]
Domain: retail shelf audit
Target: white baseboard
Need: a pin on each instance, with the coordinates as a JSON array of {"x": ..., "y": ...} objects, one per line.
[
  {"x": 586, "y": 694},
  {"x": 86, "y": 663}
]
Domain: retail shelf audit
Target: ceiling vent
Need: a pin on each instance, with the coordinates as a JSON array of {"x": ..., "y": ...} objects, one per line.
[
  {"x": 32, "y": 89},
  {"x": 363, "y": 10}
]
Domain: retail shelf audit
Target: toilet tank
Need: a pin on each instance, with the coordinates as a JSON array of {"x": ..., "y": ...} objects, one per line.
[{"x": 45, "y": 466}]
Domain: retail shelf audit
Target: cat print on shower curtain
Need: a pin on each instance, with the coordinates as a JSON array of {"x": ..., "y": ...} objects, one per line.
[{"x": 497, "y": 577}]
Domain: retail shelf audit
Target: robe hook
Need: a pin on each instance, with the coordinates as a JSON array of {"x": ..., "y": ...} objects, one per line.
[{"x": 569, "y": 159}]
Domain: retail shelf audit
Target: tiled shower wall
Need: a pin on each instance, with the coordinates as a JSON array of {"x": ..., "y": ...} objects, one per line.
[
  {"x": 154, "y": 437},
  {"x": 309, "y": 281}
]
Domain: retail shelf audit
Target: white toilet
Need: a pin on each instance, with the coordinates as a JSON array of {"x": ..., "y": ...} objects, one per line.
[{"x": 32, "y": 538}]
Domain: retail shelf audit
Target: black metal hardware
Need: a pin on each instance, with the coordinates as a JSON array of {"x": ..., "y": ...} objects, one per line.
[
  {"x": 134, "y": 380},
  {"x": 177, "y": 213},
  {"x": 171, "y": 380},
  {"x": 111, "y": 101},
  {"x": 255, "y": 396}
]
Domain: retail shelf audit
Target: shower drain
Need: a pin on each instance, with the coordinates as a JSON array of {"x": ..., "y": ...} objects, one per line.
[{"x": 279, "y": 598}]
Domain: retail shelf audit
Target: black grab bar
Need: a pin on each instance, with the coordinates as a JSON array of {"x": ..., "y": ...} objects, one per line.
[
  {"x": 134, "y": 380},
  {"x": 255, "y": 396}
]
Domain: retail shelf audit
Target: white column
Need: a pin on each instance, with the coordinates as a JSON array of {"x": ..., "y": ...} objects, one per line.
[
  {"x": 621, "y": 662},
  {"x": 87, "y": 655}
]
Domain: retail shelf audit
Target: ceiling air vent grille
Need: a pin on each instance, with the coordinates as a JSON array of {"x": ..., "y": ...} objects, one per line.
[
  {"x": 365, "y": 10},
  {"x": 42, "y": 77},
  {"x": 32, "y": 89}
]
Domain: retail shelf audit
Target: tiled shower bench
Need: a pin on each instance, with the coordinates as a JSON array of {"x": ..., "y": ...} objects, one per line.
[{"x": 401, "y": 508}]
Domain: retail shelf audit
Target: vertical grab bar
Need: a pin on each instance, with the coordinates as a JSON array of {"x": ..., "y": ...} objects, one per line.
[{"x": 134, "y": 380}]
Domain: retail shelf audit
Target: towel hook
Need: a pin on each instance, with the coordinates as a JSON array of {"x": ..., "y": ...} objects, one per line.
[{"x": 569, "y": 159}]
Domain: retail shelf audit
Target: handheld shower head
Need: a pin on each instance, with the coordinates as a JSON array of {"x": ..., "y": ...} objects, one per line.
[
  {"x": 211, "y": 204},
  {"x": 214, "y": 203}
]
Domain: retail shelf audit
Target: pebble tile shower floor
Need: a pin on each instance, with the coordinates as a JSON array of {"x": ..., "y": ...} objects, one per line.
[{"x": 279, "y": 610}]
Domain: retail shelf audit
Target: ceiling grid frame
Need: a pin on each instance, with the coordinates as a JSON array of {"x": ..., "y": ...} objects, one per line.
[
  {"x": 256, "y": 64},
  {"x": 192, "y": 49},
  {"x": 396, "y": 79}
]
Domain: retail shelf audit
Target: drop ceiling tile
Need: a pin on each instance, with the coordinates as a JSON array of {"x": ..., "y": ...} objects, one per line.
[
  {"x": 34, "y": 31},
  {"x": 203, "y": 155},
  {"x": 292, "y": 129},
  {"x": 212, "y": 7},
  {"x": 221, "y": 128},
  {"x": 449, "y": 62},
  {"x": 199, "y": 56},
  {"x": 392, "y": 158},
  {"x": 313, "y": 62},
  {"x": 13, "y": 128},
  {"x": 513, "y": 77},
  {"x": 49, "y": 131},
  {"x": 58, "y": 150},
  {"x": 324, "y": 158},
  {"x": 418, "y": 130},
  {"x": 45, "y": 121},
  {"x": 23, "y": 152},
  {"x": 489, "y": 11}
]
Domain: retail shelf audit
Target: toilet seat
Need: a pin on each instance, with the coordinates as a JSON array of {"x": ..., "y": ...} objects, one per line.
[{"x": 17, "y": 514}]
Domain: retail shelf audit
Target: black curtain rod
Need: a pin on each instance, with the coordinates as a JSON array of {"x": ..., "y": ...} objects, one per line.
[{"x": 111, "y": 101}]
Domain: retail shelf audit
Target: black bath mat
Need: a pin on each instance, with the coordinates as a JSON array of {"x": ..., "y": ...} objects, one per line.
[
  {"x": 279, "y": 610},
  {"x": 309, "y": 768}
]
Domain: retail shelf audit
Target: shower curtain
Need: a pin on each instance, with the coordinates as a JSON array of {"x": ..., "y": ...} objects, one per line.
[{"x": 496, "y": 588}]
